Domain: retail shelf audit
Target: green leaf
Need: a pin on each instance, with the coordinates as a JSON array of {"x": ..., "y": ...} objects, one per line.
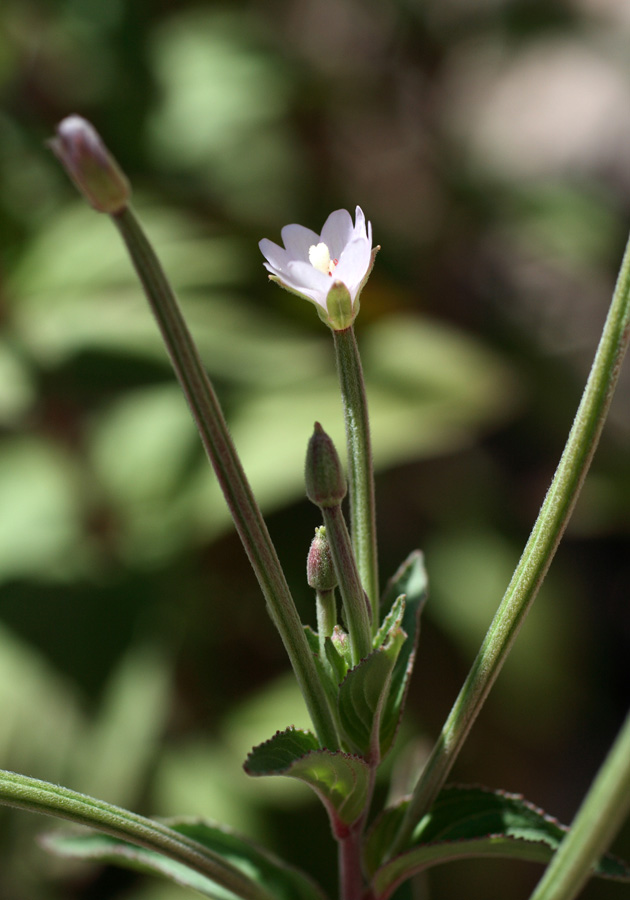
[
  {"x": 391, "y": 622},
  {"x": 341, "y": 644},
  {"x": 340, "y": 780},
  {"x": 473, "y": 821},
  {"x": 338, "y": 662},
  {"x": 381, "y": 835},
  {"x": 275, "y": 876},
  {"x": 363, "y": 693},
  {"x": 410, "y": 580}
]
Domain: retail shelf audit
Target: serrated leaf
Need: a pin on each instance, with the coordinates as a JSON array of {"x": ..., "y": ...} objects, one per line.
[
  {"x": 339, "y": 779},
  {"x": 474, "y": 821},
  {"x": 363, "y": 693},
  {"x": 411, "y": 581},
  {"x": 272, "y": 874}
]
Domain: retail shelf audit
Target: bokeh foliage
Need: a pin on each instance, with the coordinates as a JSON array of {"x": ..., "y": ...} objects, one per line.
[{"x": 489, "y": 145}]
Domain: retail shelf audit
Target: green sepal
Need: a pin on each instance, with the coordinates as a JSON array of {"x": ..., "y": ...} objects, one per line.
[
  {"x": 341, "y": 780},
  {"x": 468, "y": 822},
  {"x": 411, "y": 581},
  {"x": 339, "y": 305},
  {"x": 363, "y": 694},
  {"x": 273, "y": 875}
]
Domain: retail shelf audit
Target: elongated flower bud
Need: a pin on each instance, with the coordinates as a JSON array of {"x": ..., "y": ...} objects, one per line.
[
  {"x": 325, "y": 482},
  {"x": 88, "y": 162},
  {"x": 320, "y": 572}
]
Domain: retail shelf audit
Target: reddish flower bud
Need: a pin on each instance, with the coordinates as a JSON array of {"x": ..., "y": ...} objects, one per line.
[
  {"x": 325, "y": 481},
  {"x": 93, "y": 169}
]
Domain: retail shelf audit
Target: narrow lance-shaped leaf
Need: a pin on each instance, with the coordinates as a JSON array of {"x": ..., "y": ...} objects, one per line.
[
  {"x": 340, "y": 780},
  {"x": 280, "y": 880},
  {"x": 410, "y": 580},
  {"x": 23, "y": 792},
  {"x": 471, "y": 822}
]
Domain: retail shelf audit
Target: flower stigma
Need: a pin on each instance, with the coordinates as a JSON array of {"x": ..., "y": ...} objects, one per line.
[{"x": 319, "y": 258}]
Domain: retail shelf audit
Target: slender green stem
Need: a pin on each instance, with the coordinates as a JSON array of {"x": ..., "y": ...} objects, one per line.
[
  {"x": 539, "y": 551},
  {"x": 39, "y": 796},
  {"x": 218, "y": 443},
  {"x": 599, "y": 817},
  {"x": 355, "y": 606},
  {"x": 360, "y": 466}
]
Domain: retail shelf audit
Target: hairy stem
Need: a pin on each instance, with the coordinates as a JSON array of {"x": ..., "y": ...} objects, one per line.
[
  {"x": 600, "y": 816},
  {"x": 536, "y": 559},
  {"x": 355, "y": 605},
  {"x": 218, "y": 444},
  {"x": 360, "y": 465},
  {"x": 23, "y": 792}
]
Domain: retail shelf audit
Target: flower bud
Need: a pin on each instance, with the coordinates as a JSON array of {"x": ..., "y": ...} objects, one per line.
[
  {"x": 93, "y": 169},
  {"x": 320, "y": 572},
  {"x": 325, "y": 481}
]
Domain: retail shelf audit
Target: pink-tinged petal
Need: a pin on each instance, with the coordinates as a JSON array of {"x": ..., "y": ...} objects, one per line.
[
  {"x": 353, "y": 264},
  {"x": 337, "y": 232},
  {"x": 360, "y": 229},
  {"x": 359, "y": 223},
  {"x": 297, "y": 239},
  {"x": 275, "y": 255}
]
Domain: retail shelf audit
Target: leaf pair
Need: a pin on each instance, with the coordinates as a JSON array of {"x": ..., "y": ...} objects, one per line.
[{"x": 369, "y": 703}]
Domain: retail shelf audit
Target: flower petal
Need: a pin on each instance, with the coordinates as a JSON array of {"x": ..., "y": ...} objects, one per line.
[
  {"x": 353, "y": 264},
  {"x": 308, "y": 280},
  {"x": 297, "y": 239},
  {"x": 337, "y": 232},
  {"x": 275, "y": 255}
]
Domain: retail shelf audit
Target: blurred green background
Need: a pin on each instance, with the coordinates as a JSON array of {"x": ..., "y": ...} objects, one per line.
[{"x": 489, "y": 144}]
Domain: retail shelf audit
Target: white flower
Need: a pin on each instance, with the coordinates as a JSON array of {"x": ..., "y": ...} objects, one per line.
[{"x": 311, "y": 265}]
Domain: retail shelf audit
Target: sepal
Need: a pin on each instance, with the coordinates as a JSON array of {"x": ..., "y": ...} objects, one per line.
[{"x": 341, "y": 315}]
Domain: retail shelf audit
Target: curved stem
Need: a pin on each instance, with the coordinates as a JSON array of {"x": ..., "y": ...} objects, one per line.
[
  {"x": 600, "y": 816},
  {"x": 218, "y": 444},
  {"x": 40, "y": 796},
  {"x": 360, "y": 466},
  {"x": 536, "y": 559}
]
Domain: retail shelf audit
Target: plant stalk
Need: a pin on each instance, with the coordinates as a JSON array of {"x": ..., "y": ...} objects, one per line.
[
  {"x": 600, "y": 816},
  {"x": 360, "y": 465},
  {"x": 355, "y": 606},
  {"x": 218, "y": 444},
  {"x": 537, "y": 555},
  {"x": 23, "y": 792}
]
